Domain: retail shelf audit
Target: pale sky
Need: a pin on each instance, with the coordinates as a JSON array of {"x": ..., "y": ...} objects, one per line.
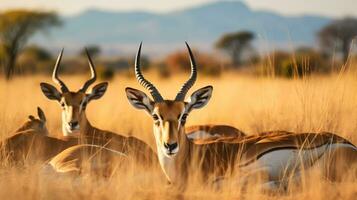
[{"x": 334, "y": 8}]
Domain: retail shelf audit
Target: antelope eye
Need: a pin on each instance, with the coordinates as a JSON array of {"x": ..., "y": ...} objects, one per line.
[
  {"x": 84, "y": 104},
  {"x": 183, "y": 119},
  {"x": 155, "y": 117}
]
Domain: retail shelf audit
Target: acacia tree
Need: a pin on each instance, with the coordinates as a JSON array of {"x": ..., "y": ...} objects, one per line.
[
  {"x": 235, "y": 44},
  {"x": 93, "y": 50},
  {"x": 16, "y": 27},
  {"x": 338, "y": 36}
]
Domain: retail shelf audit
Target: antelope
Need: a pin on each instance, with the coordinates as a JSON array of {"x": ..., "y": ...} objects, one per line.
[
  {"x": 34, "y": 124},
  {"x": 75, "y": 122},
  {"x": 272, "y": 154},
  {"x": 31, "y": 143}
]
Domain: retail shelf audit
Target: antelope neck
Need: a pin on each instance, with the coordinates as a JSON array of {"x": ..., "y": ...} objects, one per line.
[
  {"x": 86, "y": 129},
  {"x": 176, "y": 168}
]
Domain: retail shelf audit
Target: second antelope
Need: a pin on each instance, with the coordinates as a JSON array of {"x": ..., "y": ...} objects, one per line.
[
  {"x": 75, "y": 122},
  {"x": 31, "y": 143},
  {"x": 273, "y": 154}
]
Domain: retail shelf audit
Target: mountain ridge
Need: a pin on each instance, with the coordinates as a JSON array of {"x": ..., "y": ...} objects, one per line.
[{"x": 201, "y": 25}]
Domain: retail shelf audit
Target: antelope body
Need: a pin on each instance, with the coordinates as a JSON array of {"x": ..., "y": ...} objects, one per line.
[
  {"x": 31, "y": 143},
  {"x": 212, "y": 133},
  {"x": 270, "y": 154}
]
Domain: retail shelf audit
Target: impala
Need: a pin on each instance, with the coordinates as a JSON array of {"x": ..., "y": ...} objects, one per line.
[
  {"x": 76, "y": 124},
  {"x": 31, "y": 143},
  {"x": 273, "y": 154}
]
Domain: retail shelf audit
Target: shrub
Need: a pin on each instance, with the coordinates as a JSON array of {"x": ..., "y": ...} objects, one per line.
[
  {"x": 105, "y": 73},
  {"x": 179, "y": 62},
  {"x": 303, "y": 62}
]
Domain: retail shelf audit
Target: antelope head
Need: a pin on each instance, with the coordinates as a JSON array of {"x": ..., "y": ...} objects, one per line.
[
  {"x": 73, "y": 104},
  {"x": 169, "y": 116},
  {"x": 35, "y": 124}
]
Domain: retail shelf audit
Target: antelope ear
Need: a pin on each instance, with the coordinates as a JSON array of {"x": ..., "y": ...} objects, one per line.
[
  {"x": 139, "y": 99},
  {"x": 31, "y": 117},
  {"x": 98, "y": 91},
  {"x": 50, "y": 91},
  {"x": 41, "y": 114},
  {"x": 199, "y": 98}
]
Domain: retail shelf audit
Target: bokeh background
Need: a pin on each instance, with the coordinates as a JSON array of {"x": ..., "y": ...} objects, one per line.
[
  {"x": 274, "y": 65},
  {"x": 260, "y": 38}
]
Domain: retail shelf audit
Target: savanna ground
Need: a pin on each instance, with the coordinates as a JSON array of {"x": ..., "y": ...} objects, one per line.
[{"x": 252, "y": 104}]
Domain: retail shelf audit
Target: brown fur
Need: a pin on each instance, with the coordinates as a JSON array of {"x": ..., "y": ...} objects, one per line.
[
  {"x": 31, "y": 143},
  {"x": 71, "y": 103},
  {"x": 218, "y": 133},
  {"x": 85, "y": 159},
  {"x": 217, "y": 158},
  {"x": 220, "y": 158}
]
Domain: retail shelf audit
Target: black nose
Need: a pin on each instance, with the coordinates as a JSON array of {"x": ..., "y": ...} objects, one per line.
[
  {"x": 170, "y": 147},
  {"x": 73, "y": 124}
]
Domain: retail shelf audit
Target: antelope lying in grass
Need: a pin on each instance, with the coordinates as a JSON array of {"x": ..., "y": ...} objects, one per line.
[
  {"x": 34, "y": 124},
  {"x": 75, "y": 122},
  {"x": 99, "y": 160},
  {"x": 274, "y": 155},
  {"x": 31, "y": 143}
]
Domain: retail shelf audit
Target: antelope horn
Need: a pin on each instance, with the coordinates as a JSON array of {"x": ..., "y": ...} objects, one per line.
[
  {"x": 55, "y": 77},
  {"x": 93, "y": 74},
  {"x": 189, "y": 83},
  {"x": 145, "y": 83}
]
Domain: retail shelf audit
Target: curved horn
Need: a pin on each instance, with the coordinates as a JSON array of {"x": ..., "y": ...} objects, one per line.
[
  {"x": 145, "y": 83},
  {"x": 189, "y": 83},
  {"x": 55, "y": 77},
  {"x": 93, "y": 74}
]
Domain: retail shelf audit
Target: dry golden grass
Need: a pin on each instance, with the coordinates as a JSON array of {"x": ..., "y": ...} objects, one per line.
[{"x": 252, "y": 104}]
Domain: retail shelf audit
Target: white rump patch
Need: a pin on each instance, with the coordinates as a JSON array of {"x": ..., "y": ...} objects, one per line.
[{"x": 277, "y": 163}]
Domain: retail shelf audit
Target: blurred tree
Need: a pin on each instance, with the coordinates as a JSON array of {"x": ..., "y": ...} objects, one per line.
[
  {"x": 235, "y": 44},
  {"x": 93, "y": 50},
  {"x": 2, "y": 59},
  {"x": 338, "y": 35},
  {"x": 34, "y": 59},
  {"x": 178, "y": 61},
  {"x": 105, "y": 73},
  {"x": 303, "y": 62},
  {"x": 16, "y": 27},
  {"x": 37, "y": 52}
]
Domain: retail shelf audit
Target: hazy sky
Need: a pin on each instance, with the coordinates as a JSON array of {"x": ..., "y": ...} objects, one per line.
[{"x": 336, "y": 8}]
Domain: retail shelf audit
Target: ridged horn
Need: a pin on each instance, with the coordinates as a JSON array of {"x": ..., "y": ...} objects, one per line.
[
  {"x": 93, "y": 74},
  {"x": 145, "y": 83},
  {"x": 55, "y": 77},
  {"x": 189, "y": 83}
]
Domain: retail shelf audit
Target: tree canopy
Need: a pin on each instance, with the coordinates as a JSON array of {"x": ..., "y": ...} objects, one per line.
[
  {"x": 235, "y": 44},
  {"x": 16, "y": 27},
  {"x": 338, "y": 36},
  {"x": 93, "y": 51}
]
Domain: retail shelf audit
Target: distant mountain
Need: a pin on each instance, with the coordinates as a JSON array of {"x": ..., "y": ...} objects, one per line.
[{"x": 201, "y": 25}]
